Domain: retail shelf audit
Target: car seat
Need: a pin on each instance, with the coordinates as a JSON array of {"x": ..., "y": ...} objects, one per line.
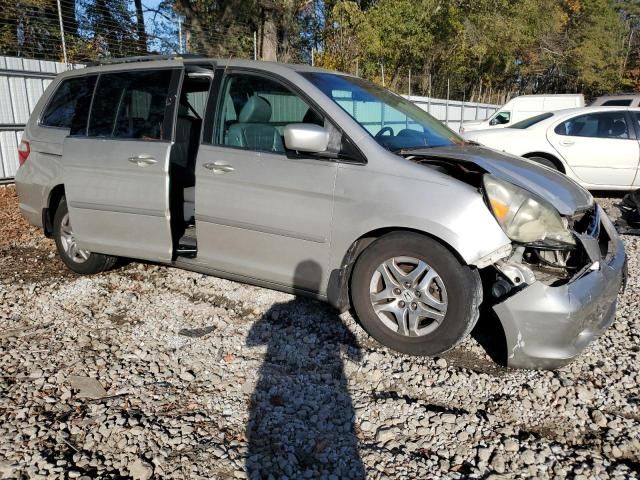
[
  {"x": 253, "y": 131},
  {"x": 619, "y": 129}
]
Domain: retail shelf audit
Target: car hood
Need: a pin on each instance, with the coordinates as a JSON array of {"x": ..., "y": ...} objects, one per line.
[{"x": 556, "y": 188}]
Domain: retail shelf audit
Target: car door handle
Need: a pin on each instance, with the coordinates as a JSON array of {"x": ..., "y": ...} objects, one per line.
[
  {"x": 218, "y": 167},
  {"x": 567, "y": 143},
  {"x": 143, "y": 160}
]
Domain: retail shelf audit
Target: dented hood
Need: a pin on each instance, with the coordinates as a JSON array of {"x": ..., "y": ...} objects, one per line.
[{"x": 556, "y": 188}]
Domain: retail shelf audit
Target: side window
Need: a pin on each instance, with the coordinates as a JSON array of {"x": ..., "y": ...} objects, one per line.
[
  {"x": 501, "y": 118},
  {"x": 130, "y": 105},
  {"x": 61, "y": 108},
  {"x": 595, "y": 125},
  {"x": 254, "y": 110}
]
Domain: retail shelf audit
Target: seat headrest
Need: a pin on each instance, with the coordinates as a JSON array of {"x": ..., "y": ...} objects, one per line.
[
  {"x": 256, "y": 110},
  {"x": 618, "y": 129}
]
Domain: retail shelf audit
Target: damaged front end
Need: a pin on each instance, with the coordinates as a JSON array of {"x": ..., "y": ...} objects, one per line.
[
  {"x": 553, "y": 302},
  {"x": 555, "y": 289}
]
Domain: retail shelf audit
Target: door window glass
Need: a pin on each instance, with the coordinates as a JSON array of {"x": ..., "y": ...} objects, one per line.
[
  {"x": 130, "y": 105},
  {"x": 595, "y": 125},
  {"x": 60, "y": 110},
  {"x": 501, "y": 118},
  {"x": 254, "y": 111}
]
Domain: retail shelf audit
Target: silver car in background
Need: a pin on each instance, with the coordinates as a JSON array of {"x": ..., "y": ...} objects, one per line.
[{"x": 314, "y": 182}]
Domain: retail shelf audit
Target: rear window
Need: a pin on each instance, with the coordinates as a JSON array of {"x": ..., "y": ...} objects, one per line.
[
  {"x": 62, "y": 106},
  {"x": 528, "y": 122},
  {"x": 617, "y": 103}
]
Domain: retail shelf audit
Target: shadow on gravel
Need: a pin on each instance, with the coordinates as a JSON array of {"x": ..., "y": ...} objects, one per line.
[
  {"x": 301, "y": 422},
  {"x": 489, "y": 333}
]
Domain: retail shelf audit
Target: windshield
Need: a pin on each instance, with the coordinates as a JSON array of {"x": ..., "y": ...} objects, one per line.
[
  {"x": 394, "y": 122},
  {"x": 528, "y": 122}
]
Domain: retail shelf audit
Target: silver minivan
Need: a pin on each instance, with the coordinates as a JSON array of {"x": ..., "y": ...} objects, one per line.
[{"x": 319, "y": 183}]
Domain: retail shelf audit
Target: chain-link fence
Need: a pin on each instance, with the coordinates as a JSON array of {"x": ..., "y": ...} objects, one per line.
[{"x": 79, "y": 31}]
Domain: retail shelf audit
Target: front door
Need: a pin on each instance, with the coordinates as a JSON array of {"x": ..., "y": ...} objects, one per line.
[
  {"x": 601, "y": 147},
  {"x": 261, "y": 212},
  {"x": 116, "y": 170}
]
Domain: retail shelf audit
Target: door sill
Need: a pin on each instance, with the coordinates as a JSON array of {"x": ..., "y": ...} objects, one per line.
[{"x": 192, "y": 264}]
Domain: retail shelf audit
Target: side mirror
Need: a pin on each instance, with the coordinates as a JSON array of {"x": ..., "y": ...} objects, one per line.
[{"x": 306, "y": 137}]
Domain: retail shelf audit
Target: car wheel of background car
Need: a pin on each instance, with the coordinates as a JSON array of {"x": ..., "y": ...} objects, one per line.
[
  {"x": 74, "y": 257},
  {"x": 544, "y": 161},
  {"x": 413, "y": 295}
]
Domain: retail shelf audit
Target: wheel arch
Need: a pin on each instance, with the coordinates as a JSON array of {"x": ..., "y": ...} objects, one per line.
[
  {"x": 49, "y": 212},
  {"x": 338, "y": 293},
  {"x": 556, "y": 161}
]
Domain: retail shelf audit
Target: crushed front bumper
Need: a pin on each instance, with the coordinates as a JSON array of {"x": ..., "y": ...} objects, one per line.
[{"x": 547, "y": 326}]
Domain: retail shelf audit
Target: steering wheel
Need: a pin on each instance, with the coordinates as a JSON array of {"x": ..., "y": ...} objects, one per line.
[{"x": 383, "y": 130}]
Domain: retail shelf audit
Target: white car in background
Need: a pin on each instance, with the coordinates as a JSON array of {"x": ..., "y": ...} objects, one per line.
[
  {"x": 523, "y": 107},
  {"x": 599, "y": 147}
]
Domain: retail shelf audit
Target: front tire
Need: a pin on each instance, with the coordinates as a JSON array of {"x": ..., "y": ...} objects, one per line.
[
  {"x": 75, "y": 258},
  {"x": 412, "y": 294}
]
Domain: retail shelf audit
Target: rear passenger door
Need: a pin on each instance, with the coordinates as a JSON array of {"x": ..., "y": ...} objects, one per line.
[
  {"x": 116, "y": 165},
  {"x": 262, "y": 212}
]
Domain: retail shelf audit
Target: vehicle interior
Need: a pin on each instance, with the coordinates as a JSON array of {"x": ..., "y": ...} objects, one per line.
[
  {"x": 597, "y": 125},
  {"x": 182, "y": 162}
]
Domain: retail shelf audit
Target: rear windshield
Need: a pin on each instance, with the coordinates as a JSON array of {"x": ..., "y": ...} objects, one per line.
[
  {"x": 528, "y": 122},
  {"x": 617, "y": 103}
]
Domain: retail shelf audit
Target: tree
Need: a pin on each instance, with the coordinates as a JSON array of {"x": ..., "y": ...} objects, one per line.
[
  {"x": 140, "y": 30},
  {"x": 29, "y": 28}
]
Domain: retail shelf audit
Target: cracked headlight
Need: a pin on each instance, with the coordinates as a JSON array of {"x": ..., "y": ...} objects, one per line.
[{"x": 525, "y": 218}]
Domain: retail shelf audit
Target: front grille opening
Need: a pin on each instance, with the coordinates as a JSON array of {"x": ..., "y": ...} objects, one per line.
[{"x": 604, "y": 240}]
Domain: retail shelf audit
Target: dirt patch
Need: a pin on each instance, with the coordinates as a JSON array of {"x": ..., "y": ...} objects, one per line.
[
  {"x": 13, "y": 228},
  {"x": 31, "y": 264},
  {"x": 25, "y": 254},
  {"x": 462, "y": 358}
]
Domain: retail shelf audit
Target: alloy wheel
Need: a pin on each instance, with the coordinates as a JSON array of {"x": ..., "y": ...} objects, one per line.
[
  {"x": 69, "y": 244},
  {"x": 408, "y": 296}
]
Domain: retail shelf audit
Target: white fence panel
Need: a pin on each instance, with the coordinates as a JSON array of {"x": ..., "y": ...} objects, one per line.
[
  {"x": 22, "y": 82},
  {"x": 452, "y": 112}
]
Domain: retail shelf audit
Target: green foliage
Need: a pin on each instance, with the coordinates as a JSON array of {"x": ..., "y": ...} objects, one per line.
[
  {"x": 473, "y": 49},
  {"x": 29, "y": 28},
  {"x": 477, "y": 47}
]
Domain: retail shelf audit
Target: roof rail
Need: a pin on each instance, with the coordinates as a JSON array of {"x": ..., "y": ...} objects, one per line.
[{"x": 143, "y": 58}]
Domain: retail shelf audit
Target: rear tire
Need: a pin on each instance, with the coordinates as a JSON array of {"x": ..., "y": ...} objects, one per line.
[
  {"x": 413, "y": 295},
  {"x": 544, "y": 161},
  {"x": 76, "y": 259}
]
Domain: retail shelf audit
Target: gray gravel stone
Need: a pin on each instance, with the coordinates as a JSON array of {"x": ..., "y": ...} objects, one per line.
[{"x": 180, "y": 375}]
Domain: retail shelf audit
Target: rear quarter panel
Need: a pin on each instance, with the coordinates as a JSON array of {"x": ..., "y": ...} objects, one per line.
[{"x": 43, "y": 169}]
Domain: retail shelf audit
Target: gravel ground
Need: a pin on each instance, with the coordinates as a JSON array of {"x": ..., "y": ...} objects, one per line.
[{"x": 148, "y": 371}]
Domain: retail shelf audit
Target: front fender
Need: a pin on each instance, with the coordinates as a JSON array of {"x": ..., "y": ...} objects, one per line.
[{"x": 447, "y": 209}]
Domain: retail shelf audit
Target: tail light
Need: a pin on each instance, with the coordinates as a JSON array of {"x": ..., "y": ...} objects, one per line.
[{"x": 23, "y": 151}]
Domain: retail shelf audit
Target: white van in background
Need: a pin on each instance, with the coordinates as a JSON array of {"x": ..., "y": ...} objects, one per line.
[{"x": 523, "y": 107}]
